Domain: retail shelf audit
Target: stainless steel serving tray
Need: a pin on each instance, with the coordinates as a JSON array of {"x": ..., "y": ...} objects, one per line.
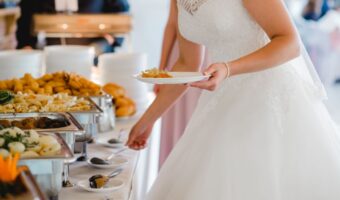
[
  {"x": 48, "y": 170},
  {"x": 106, "y": 121},
  {"x": 74, "y": 126},
  {"x": 65, "y": 151},
  {"x": 95, "y": 109}
]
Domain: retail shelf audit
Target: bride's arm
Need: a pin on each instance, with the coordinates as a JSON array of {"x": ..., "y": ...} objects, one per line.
[
  {"x": 273, "y": 17},
  {"x": 190, "y": 59}
]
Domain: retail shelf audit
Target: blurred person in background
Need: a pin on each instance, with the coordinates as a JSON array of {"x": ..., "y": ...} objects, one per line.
[
  {"x": 107, "y": 43},
  {"x": 322, "y": 39},
  {"x": 315, "y": 9},
  {"x": 176, "y": 119},
  {"x": 330, "y": 24}
]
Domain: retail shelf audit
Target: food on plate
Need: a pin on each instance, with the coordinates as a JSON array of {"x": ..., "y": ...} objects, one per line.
[
  {"x": 27, "y": 143},
  {"x": 125, "y": 106},
  {"x": 98, "y": 181},
  {"x": 59, "y": 82},
  {"x": 25, "y": 103},
  {"x": 5, "y": 97},
  {"x": 114, "y": 141},
  {"x": 155, "y": 73},
  {"x": 35, "y": 123}
]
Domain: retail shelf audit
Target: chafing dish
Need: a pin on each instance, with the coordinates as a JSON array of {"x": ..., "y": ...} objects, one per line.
[
  {"x": 108, "y": 117},
  {"x": 72, "y": 127},
  {"x": 89, "y": 121},
  {"x": 67, "y": 132},
  {"x": 48, "y": 170}
]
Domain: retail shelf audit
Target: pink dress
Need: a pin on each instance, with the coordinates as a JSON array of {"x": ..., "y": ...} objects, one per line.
[{"x": 175, "y": 120}]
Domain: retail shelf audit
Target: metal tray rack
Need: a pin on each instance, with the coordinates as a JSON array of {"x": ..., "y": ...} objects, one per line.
[{"x": 48, "y": 170}]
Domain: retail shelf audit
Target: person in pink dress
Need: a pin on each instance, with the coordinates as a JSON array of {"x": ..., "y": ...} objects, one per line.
[{"x": 176, "y": 119}]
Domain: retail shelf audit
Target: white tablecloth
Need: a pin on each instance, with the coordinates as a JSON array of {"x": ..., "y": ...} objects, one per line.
[
  {"x": 138, "y": 174},
  {"x": 80, "y": 170}
]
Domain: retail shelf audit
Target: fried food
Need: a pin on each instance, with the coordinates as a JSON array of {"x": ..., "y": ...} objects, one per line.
[
  {"x": 35, "y": 123},
  {"x": 116, "y": 91},
  {"x": 125, "y": 111},
  {"x": 155, "y": 73},
  {"x": 125, "y": 106},
  {"x": 5, "y": 123},
  {"x": 59, "y": 82}
]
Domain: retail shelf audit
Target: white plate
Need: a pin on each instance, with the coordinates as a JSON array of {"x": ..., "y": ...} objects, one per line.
[
  {"x": 178, "y": 78},
  {"x": 104, "y": 141},
  {"x": 115, "y": 162},
  {"x": 112, "y": 185}
]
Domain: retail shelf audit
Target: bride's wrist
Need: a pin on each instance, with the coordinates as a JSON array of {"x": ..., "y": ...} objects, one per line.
[{"x": 229, "y": 69}]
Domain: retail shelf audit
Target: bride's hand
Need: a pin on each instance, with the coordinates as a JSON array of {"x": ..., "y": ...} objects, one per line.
[
  {"x": 218, "y": 72},
  {"x": 138, "y": 137}
]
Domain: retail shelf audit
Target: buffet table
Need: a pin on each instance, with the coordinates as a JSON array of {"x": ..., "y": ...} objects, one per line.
[
  {"x": 133, "y": 174},
  {"x": 81, "y": 170},
  {"x": 42, "y": 130}
]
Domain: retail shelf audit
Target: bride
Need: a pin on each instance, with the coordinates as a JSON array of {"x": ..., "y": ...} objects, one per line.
[{"x": 260, "y": 131}]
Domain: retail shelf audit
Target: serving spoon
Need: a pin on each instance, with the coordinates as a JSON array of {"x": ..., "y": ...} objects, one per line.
[
  {"x": 118, "y": 139},
  {"x": 106, "y": 161},
  {"x": 99, "y": 181}
]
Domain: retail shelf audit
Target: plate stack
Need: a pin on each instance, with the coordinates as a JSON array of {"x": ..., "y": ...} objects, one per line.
[
  {"x": 15, "y": 63},
  {"x": 70, "y": 58},
  {"x": 119, "y": 68}
]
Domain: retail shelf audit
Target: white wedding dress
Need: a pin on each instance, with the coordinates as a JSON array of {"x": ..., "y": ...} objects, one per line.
[{"x": 260, "y": 136}]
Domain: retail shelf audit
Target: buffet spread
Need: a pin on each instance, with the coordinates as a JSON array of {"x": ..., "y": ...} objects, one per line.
[{"x": 41, "y": 122}]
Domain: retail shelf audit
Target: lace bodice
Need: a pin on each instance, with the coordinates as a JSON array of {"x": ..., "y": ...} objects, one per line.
[{"x": 223, "y": 26}]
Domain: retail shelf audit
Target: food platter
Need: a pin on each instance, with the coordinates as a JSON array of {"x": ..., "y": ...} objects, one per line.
[
  {"x": 26, "y": 103},
  {"x": 94, "y": 108},
  {"x": 64, "y": 153},
  {"x": 111, "y": 186},
  {"x": 48, "y": 170},
  {"x": 177, "y": 78},
  {"x": 73, "y": 125}
]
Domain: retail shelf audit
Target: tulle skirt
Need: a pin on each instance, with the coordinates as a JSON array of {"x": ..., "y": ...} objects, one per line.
[{"x": 260, "y": 136}]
